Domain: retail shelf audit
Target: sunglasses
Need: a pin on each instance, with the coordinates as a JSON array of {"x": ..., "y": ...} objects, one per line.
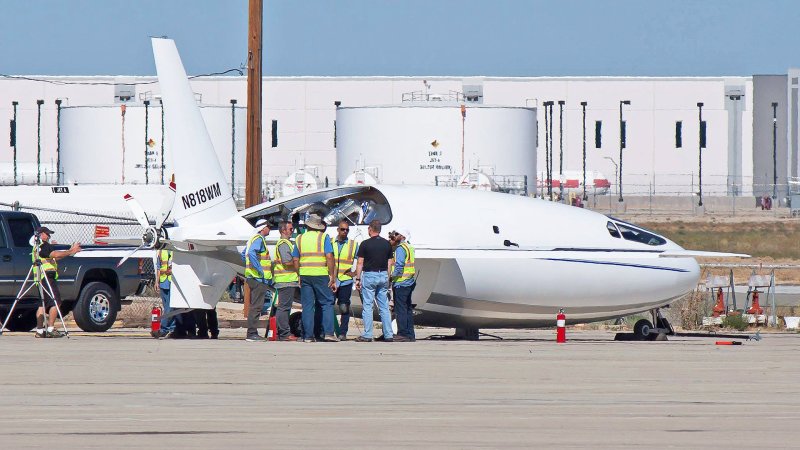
[{"x": 344, "y": 229}]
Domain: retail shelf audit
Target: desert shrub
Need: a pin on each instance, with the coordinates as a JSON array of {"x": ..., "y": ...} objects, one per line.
[{"x": 737, "y": 322}]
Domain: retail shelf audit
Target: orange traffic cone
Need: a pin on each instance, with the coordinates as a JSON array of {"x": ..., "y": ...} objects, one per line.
[
  {"x": 755, "y": 308},
  {"x": 719, "y": 307}
]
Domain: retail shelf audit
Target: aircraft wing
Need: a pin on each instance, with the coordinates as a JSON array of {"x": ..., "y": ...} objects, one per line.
[
  {"x": 113, "y": 252},
  {"x": 133, "y": 241},
  {"x": 700, "y": 254},
  {"x": 217, "y": 241}
]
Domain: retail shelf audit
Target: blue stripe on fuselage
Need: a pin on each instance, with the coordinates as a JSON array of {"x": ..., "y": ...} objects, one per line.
[{"x": 609, "y": 263}]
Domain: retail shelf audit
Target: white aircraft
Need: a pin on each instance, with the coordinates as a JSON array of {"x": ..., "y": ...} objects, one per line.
[{"x": 484, "y": 259}]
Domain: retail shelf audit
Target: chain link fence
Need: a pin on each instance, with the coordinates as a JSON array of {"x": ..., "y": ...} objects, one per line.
[{"x": 75, "y": 226}]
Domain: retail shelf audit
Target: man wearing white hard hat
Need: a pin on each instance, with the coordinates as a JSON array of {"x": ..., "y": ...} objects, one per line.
[
  {"x": 257, "y": 275},
  {"x": 403, "y": 283}
]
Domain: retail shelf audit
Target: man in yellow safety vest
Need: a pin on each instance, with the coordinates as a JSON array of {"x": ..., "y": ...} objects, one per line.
[
  {"x": 258, "y": 276},
  {"x": 344, "y": 254},
  {"x": 287, "y": 282},
  {"x": 403, "y": 283},
  {"x": 164, "y": 284},
  {"x": 43, "y": 253},
  {"x": 313, "y": 254}
]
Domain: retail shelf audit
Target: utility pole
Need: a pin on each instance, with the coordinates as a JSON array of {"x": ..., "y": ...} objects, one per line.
[
  {"x": 252, "y": 195},
  {"x": 253, "y": 158}
]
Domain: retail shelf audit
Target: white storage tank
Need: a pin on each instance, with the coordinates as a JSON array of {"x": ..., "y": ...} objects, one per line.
[
  {"x": 362, "y": 177},
  {"x": 92, "y": 141},
  {"x": 300, "y": 181},
  {"x": 416, "y": 142},
  {"x": 479, "y": 181}
]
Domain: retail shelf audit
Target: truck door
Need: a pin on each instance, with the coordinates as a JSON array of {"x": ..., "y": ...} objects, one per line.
[{"x": 8, "y": 283}]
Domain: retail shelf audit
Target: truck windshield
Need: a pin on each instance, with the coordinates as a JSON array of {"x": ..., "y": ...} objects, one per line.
[{"x": 21, "y": 231}]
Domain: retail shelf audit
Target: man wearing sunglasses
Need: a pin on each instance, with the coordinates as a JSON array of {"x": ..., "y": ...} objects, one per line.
[{"x": 344, "y": 253}]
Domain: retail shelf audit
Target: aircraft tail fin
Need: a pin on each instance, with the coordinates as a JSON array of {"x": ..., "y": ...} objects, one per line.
[{"x": 202, "y": 195}]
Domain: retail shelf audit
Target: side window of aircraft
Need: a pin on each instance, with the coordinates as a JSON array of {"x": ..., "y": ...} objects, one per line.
[
  {"x": 612, "y": 230},
  {"x": 636, "y": 235}
]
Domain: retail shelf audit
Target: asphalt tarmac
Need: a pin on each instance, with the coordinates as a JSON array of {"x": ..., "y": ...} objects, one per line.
[{"x": 125, "y": 390}]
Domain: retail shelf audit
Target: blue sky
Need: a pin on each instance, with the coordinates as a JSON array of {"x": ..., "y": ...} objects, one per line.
[{"x": 409, "y": 37}]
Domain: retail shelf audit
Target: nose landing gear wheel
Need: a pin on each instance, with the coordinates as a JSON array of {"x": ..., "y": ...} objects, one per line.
[{"x": 643, "y": 330}]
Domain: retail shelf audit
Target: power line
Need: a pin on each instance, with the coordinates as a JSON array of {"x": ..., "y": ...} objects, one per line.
[{"x": 108, "y": 83}]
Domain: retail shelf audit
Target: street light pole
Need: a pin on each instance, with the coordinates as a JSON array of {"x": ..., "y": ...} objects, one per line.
[
  {"x": 550, "y": 109},
  {"x": 561, "y": 149},
  {"x": 622, "y": 138},
  {"x": 700, "y": 150},
  {"x": 547, "y": 180},
  {"x": 774, "y": 150},
  {"x": 583, "y": 105}
]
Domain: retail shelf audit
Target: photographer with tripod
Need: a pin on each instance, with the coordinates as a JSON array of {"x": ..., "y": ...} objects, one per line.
[{"x": 43, "y": 252}]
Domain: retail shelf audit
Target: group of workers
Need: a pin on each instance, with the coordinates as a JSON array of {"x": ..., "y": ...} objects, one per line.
[{"x": 321, "y": 274}]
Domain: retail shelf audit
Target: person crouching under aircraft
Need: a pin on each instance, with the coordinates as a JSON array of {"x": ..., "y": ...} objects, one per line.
[
  {"x": 258, "y": 276},
  {"x": 373, "y": 261},
  {"x": 403, "y": 284},
  {"x": 313, "y": 254}
]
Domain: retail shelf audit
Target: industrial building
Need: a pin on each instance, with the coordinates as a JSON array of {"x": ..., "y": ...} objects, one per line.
[{"x": 72, "y": 130}]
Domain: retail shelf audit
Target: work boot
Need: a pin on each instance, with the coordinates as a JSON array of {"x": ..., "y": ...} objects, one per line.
[
  {"x": 54, "y": 334},
  {"x": 254, "y": 338},
  {"x": 331, "y": 338},
  {"x": 40, "y": 334},
  {"x": 363, "y": 339},
  {"x": 289, "y": 338}
]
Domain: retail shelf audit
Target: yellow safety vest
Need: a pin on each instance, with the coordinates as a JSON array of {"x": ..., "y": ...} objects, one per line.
[
  {"x": 283, "y": 275},
  {"x": 165, "y": 263},
  {"x": 311, "y": 246},
  {"x": 266, "y": 263},
  {"x": 408, "y": 268},
  {"x": 349, "y": 253},
  {"x": 48, "y": 265}
]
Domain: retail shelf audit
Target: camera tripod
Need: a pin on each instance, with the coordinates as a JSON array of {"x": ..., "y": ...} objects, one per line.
[{"x": 35, "y": 279}]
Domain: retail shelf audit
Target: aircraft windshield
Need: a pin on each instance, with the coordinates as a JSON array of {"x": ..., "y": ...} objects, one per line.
[
  {"x": 357, "y": 204},
  {"x": 635, "y": 233}
]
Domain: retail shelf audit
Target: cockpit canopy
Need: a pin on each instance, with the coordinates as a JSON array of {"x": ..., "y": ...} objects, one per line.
[
  {"x": 359, "y": 205},
  {"x": 624, "y": 230}
]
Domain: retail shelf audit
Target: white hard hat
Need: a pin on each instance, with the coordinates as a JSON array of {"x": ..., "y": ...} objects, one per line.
[
  {"x": 261, "y": 223},
  {"x": 404, "y": 232}
]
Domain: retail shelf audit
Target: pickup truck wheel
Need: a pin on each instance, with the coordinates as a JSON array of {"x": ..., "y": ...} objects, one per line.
[
  {"x": 96, "y": 308},
  {"x": 20, "y": 320}
]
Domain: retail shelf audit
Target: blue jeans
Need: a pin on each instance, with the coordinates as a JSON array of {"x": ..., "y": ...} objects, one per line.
[
  {"x": 403, "y": 311},
  {"x": 314, "y": 289},
  {"x": 167, "y": 325},
  {"x": 374, "y": 287}
]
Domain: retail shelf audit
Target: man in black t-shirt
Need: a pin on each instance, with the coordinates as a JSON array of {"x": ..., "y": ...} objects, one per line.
[
  {"x": 372, "y": 279},
  {"x": 48, "y": 258}
]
